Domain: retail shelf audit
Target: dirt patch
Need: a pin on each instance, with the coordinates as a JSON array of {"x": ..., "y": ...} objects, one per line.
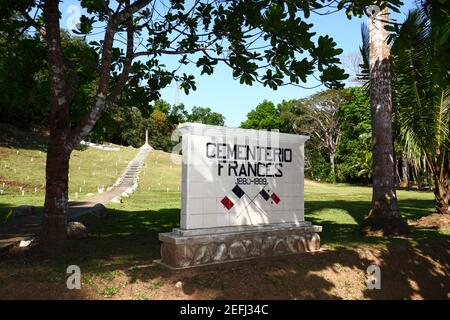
[
  {"x": 43, "y": 291},
  {"x": 407, "y": 272},
  {"x": 434, "y": 221},
  {"x": 13, "y": 137},
  {"x": 13, "y": 183},
  {"x": 4, "y": 152},
  {"x": 381, "y": 225}
]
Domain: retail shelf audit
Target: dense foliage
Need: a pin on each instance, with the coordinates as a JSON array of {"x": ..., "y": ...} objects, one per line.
[
  {"x": 354, "y": 156},
  {"x": 24, "y": 84},
  {"x": 265, "y": 116},
  {"x": 338, "y": 123},
  {"x": 126, "y": 126}
]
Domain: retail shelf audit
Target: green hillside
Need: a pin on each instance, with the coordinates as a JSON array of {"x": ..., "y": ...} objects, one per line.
[{"x": 22, "y": 167}]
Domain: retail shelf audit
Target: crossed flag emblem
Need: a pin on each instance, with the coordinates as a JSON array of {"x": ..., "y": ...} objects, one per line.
[{"x": 239, "y": 193}]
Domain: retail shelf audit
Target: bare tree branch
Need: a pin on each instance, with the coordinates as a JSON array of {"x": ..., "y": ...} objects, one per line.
[
  {"x": 129, "y": 10},
  {"x": 33, "y": 23},
  {"x": 103, "y": 100},
  {"x": 170, "y": 52},
  {"x": 126, "y": 65}
]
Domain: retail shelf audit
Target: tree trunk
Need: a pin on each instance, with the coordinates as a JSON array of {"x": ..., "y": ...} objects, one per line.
[
  {"x": 56, "y": 196},
  {"x": 442, "y": 194},
  {"x": 58, "y": 153},
  {"x": 332, "y": 164},
  {"x": 405, "y": 175},
  {"x": 384, "y": 217},
  {"x": 63, "y": 139},
  {"x": 418, "y": 178},
  {"x": 430, "y": 180},
  {"x": 398, "y": 179}
]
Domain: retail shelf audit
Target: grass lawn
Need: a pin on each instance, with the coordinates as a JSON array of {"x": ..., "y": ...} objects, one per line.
[
  {"x": 22, "y": 167},
  {"x": 117, "y": 259}
]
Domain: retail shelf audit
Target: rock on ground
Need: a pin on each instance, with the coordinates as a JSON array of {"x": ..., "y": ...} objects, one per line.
[
  {"x": 99, "y": 210},
  {"x": 76, "y": 230}
]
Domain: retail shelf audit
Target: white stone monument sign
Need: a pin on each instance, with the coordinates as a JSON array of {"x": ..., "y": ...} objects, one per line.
[{"x": 242, "y": 197}]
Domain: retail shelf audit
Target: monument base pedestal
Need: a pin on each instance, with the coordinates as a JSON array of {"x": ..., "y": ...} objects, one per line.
[{"x": 196, "y": 247}]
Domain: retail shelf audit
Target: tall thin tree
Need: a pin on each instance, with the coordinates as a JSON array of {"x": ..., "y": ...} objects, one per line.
[{"x": 384, "y": 217}]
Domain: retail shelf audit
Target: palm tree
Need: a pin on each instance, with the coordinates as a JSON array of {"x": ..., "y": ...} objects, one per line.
[
  {"x": 422, "y": 101},
  {"x": 384, "y": 217}
]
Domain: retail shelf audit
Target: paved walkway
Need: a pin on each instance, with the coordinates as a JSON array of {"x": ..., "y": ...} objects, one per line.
[
  {"x": 17, "y": 229},
  {"x": 127, "y": 183}
]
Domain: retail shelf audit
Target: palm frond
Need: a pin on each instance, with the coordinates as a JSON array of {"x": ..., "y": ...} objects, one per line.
[
  {"x": 364, "y": 75},
  {"x": 421, "y": 103}
]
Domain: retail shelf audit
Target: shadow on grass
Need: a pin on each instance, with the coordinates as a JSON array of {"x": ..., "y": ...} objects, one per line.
[
  {"x": 415, "y": 267},
  {"x": 410, "y": 209},
  {"x": 13, "y": 137},
  {"x": 341, "y": 219}
]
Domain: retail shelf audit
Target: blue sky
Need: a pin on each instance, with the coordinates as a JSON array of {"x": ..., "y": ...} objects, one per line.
[{"x": 227, "y": 96}]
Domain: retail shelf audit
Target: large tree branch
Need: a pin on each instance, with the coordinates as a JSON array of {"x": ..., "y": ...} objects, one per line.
[
  {"x": 202, "y": 48},
  {"x": 168, "y": 52},
  {"x": 33, "y": 23},
  {"x": 103, "y": 100},
  {"x": 59, "y": 110},
  {"x": 107, "y": 9},
  {"x": 106, "y": 59},
  {"x": 123, "y": 78},
  {"x": 72, "y": 83},
  {"x": 88, "y": 122},
  {"x": 111, "y": 28},
  {"x": 130, "y": 9}
]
